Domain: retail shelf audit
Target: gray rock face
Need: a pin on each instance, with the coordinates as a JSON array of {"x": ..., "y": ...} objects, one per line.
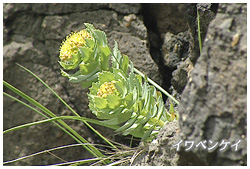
[
  {"x": 32, "y": 37},
  {"x": 161, "y": 151},
  {"x": 213, "y": 104}
]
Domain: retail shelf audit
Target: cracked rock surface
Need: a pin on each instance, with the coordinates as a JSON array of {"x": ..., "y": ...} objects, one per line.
[
  {"x": 210, "y": 86},
  {"x": 213, "y": 106}
]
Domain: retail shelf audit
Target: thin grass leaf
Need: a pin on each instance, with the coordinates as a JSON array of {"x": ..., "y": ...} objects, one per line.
[
  {"x": 38, "y": 153},
  {"x": 60, "y": 118},
  {"x": 25, "y": 104},
  {"x": 120, "y": 161},
  {"x": 50, "y": 150},
  {"x": 53, "y": 119},
  {"x": 199, "y": 31},
  {"x": 76, "y": 137},
  {"x": 33, "y": 74},
  {"x": 77, "y": 162}
]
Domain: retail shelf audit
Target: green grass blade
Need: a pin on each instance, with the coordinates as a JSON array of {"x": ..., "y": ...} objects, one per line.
[
  {"x": 26, "y": 125},
  {"x": 33, "y": 74},
  {"x": 95, "y": 131},
  {"x": 42, "y": 152},
  {"x": 77, "y": 137},
  {"x": 78, "y": 162},
  {"x": 56, "y": 119},
  {"x": 199, "y": 31},
  {"x": 25, "y": 104}
]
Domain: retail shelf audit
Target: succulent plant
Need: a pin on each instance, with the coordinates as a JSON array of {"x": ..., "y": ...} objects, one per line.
[
  {"x": 117, "y": 95},
  {"x": 87, "y": 51}
]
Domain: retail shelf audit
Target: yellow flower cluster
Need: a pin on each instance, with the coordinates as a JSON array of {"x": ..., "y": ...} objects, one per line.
[
  {"x": 106, "y": 89},
  {"x": 72, "y": 43}
]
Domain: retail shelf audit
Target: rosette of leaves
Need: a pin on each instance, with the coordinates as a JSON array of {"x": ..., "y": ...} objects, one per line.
[
  {"x": 86, "y": 53},
  {"x": 118, "y": 96},
  {"x": 125, "y": 100}
]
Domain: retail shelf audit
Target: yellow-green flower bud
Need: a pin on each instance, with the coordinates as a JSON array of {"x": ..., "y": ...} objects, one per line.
[
  {"x": 71, "y": 44},
  {"x": 106, "y": 89},
  {"x": 86, "y": 52}
]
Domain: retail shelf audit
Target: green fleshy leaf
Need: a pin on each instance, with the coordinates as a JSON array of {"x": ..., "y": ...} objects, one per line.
[
  {"x": 138, "y": 85},
  {"x": 94, "y": 77},
  {"x": 90, "y": 43},
  {"x": 153, "y": 107},
  {"x": 154, "y": 93},
  {"x": 137, "y": 127},
  {"x": 171, "y": 109},
  {"x": 140, "y": 105},
  {"x": 116, "y": 60},
  {"x": 147, "y": 104},
  {"x": 135, "y": 98},
  {"x": 129, "y": 100},
  {"x": 145, "y": 90},
  {"x": 100, "y": 102},
  {"x": 106, "y": 76},
  {"x": 160, "y": 110},
  {"x": 79, "y": 78},
  {"x": 139, "y": 78},
  {"x": 154, "y": 111},
  {"x": 91, "y": 105},
  {"x": 86, "y": 54},
  {"x": 68, "y": 65},
  {"x": 101, "y": 115},
  {"x": 146, "y": 117},
  {"x": 131, "y": 81},
  {"x": 75, "y": 58},
  {"x": 119, "y": 74},
  {"x": 87, "y": 68},
  {"x": 135, "y": 106},
  {"x": 88, "y": 83},
  {"x": 105, "y": 50},
  {"x": 147, "y": 133},
  {"x": 125, "y": 63},
  {"x": 121, "y": 88},
  {"x": 100, "y": 38},
  {"x": 131, "y": 67},
  {"x": 94, "y": 89},
  {"x": 113, "y": 101},
  {"x": 124, "y": 116},
  {"x": 137, "y": 134},
  {"x": 72, "y": 63},
  {"x": 108, "y": 113},
  {"x": 104, "y": 59},
  {"x": 132, "y": 128},
  {"x": 65, "y": 74},
  {"x": 89, "y": 26},
  {"x": 129, "y": 123}
]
